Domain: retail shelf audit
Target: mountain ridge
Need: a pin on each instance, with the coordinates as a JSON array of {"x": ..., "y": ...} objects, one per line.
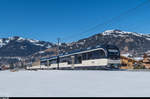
[
  {"x": 128, "y": 42},
  {"x": 135, "y": 44}
]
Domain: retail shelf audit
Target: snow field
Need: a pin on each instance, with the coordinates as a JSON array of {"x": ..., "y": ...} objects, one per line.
[{"x": 86, "y": 83}]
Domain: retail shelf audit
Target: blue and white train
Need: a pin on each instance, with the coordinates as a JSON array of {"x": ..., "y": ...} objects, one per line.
[{"x": 100, "y": 57}]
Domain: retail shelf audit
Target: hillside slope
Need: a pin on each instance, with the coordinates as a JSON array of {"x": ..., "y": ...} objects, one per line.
[{"x": 128, "y": 42}]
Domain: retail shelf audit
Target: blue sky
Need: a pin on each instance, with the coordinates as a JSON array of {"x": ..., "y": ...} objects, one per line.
[{"x": 68, "y": 19}]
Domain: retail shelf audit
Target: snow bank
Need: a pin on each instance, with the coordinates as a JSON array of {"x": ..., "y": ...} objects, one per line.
[{"x": 54, "y": 83}]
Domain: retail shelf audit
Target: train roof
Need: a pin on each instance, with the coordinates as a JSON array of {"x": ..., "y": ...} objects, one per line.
[{"x": 81, "y": 50}]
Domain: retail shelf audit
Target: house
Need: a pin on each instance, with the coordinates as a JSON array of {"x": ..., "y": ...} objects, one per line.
[
  {"x": 128, "y": 63},
  {"x": 146, "y": 60}
]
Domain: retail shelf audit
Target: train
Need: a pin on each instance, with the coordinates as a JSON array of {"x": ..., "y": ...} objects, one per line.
[{"x": 99, "y": 57}]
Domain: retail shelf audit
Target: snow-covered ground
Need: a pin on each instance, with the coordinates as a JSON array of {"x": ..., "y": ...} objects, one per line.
[{"x": 55, "y": 83}]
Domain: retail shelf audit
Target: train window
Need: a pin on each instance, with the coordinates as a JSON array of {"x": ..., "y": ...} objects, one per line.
[
  {"x": 54, "y": 61},
  {"x": 113, "y": 50},
  {"x": 49, "y": 62},
  {"x": 63, "y": 59},
  {"x": 69, "y": 60},
  {"x": 43, "y": 62},
  {"x": 95, "y": 54},
  {"x": 102, "y": 54},
  {"x": 78, "y": 59},
  {"x": 89, "y": 55},
  {"x": 84, "y": 56},
  {"x": 60, "y": 60}
]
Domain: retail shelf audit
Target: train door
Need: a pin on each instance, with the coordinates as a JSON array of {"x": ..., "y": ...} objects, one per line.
[
  {"x": 79, "y": 59},
  {"x": 73, "y": 61}
]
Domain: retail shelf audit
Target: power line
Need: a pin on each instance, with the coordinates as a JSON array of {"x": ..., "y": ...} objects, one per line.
[{"x": 110, "y": 20}]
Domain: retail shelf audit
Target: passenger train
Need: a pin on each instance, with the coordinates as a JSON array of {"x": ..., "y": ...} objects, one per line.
[{"x": 100, "y": 57}]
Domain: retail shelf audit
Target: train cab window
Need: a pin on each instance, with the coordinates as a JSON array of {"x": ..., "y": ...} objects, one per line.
[{"x": 113, "y": 54}]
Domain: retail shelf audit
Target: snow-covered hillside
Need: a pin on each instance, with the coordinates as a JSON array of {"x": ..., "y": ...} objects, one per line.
[
  {"x": 120, "y": 33},
  {"x": 22, "y": 47},
  {"x": 128, "y": 42},
  {"x": 56, "y": 83},
  {"x": 5, "y": 41}
]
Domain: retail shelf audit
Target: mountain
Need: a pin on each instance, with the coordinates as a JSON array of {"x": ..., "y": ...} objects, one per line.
[
  {"x": 128, "y": 42},
  {"x": 21, "y": 47},
  {"x": 18, "y": 48}
]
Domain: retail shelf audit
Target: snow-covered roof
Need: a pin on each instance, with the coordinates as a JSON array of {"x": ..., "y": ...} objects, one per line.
[
  {"x": 138, "y": 58},
  {"x": 126, "y": 55}
]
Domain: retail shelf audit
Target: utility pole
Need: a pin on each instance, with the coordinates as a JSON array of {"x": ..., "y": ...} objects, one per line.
[
  {"x": 58, "y": 39},
  {"x": 40, "y": 57}
]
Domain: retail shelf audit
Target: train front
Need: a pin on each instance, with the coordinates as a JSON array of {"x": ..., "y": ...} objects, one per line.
[{"x": 113, "y": 55}]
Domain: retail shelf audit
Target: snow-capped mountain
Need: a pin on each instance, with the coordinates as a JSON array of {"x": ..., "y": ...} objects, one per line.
[
  {"x": 135, "y": 44},
  {"x": 5, "y": 41},
  {"x": 128, "y": 42},
  {"x": 117, "y": 33},
  {"x": 18, "y": 46}
]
